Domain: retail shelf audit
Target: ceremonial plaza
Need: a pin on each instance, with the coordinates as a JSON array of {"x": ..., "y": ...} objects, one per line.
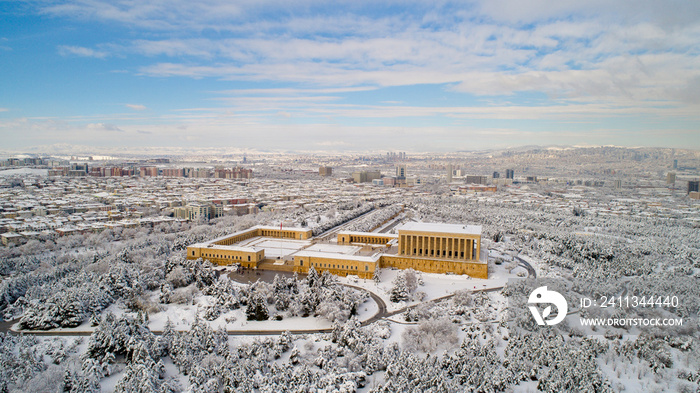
[{"x": 427, "y": 247}]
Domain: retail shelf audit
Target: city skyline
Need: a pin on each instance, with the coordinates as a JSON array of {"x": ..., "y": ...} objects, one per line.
[{"x": 349, "y": 77}]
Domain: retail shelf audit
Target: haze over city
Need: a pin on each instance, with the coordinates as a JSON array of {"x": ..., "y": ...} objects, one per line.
[{"x": 350, "y": 76}]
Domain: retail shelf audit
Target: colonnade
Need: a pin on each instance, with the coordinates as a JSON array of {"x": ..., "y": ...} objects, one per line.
[
  {"x": 438, "y": 247},
  {"x": 369, "y": 239}
]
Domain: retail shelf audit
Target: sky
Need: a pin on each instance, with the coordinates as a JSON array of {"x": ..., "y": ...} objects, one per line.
[{"x": 349, "y": 75}]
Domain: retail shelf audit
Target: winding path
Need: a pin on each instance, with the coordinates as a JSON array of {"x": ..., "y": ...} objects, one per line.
[{"x": 530, "y": 270}]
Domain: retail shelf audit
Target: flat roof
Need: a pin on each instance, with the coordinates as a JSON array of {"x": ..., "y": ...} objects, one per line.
[
  {"x": 338, "y": 256},
  {"x": 441, "y": 228},
  {"x": 224, "y": 237},
  {"x": 276, "y": 228},
  {"x": 376, "y": 234},
  {"x": 206, "y": 246}
]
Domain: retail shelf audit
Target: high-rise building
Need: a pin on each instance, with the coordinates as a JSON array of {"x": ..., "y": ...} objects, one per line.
[
  {"x": 693, "y": 186},
  {"x": 325, "y": 171},
  {"x": 203, "y": 210},
  {"x": 77, "y": 170},
  {"x": 510, "y": 173},
  {"x": 401, "y": 171},
  {"x": 233, "y": 173},
  {"x": 671, "y": 178},
  {"x": 449, "y": 173},
  {"x": 496, "y": 175},
  {"x": 675, "y": 164},
  {"x": 173, "y": 172},
  {"x": 365, "y": 176},
  {"x": 476, "y": 179},
  {"x": 150, "y": 171}
]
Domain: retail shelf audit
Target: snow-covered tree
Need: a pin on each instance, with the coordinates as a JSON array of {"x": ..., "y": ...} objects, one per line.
[
  {"x": 399, "y": 290},
  {"x": 256, "y": 310}
]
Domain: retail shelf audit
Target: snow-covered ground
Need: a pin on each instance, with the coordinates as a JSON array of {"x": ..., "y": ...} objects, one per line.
[
  {"x": 25, "y": 171},
  {"x": 434, "y": 285},
  {"x": 182, "y": 316}
]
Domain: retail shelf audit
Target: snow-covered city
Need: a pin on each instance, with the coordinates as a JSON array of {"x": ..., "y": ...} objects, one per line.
[
  {"x": 271, "y": 196},
  {"x": 99, "y": 291}
]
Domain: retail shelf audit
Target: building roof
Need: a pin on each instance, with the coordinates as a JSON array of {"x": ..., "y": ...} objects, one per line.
[
  {"x": 274, "y": 228},
  {"x": 205, "y": 246},
  {"x": 441, "y": 228},
  {"x": 375, "y": 234},
  {"x": 341, "y": 257}
]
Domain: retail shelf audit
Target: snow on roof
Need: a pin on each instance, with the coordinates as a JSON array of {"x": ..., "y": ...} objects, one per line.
[
  {"x": 332, "y": 255},
  {"x": 368, "y": 234},
  {"x": 333, "y": 248},
  {"x": 441, "y": 228},
  {"x": 210, "y": 246},
  {"x": 224, "y": 237},
  {"x": 232, "y": 248}
]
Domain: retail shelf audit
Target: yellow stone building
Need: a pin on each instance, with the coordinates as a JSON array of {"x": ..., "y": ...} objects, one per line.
[
  {"x": 427, "y": 247},
  {"x": 439, "y": 248},
  {"x": 228, "y": 249}
]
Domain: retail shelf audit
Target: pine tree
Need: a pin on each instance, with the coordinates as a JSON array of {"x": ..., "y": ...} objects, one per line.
[
  {"x": 294, "y": 356},
  {"x": 257, "y": 309},
  {"x": 399, "y": 292},
  {"x": 68, "y": 381},
  {"x": 166, "y": 339},
  {"x": 312, "y": 278}
]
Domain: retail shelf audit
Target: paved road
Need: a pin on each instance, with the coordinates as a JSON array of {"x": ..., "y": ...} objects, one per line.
[
  {"x": 397, "y": 221},
  {"x": 437, "y": 300},
  {"x": 381, "y": 313},
  {"x": 530, "y": 270},
  {"x": 334, "y": 231},
  {"x": 6, "y": 325}
]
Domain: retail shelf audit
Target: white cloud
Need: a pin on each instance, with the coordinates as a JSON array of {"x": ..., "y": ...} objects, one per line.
[
  {"x": 80, "y": 51},
  {"x": 103, "y": 127},
  {"x": 155, "y": 15},
  {"x": 295, "y": 91},
  {"x": 591, "y": 58},
  {"x": 560, "y": 49}
]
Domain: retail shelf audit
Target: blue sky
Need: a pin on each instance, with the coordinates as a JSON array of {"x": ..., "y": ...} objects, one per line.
[{"x": 351, "y": 76}]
